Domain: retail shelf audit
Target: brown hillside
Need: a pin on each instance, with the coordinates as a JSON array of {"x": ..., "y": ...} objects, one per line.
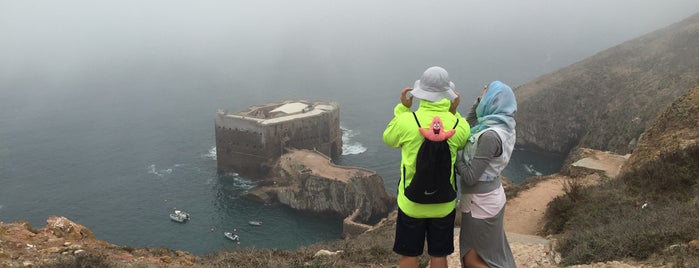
[
  {"x": 649, "y": 212},
  {"x": 606, "y": 101},
  {"x": 666, "y": 161}
]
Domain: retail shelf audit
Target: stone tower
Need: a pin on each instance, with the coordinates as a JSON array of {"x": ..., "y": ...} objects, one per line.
[{"x": 249, "y": 142}]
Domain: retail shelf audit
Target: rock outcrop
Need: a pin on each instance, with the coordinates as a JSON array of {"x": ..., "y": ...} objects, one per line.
[
  {"x": 584, "y": 161},
  {"x": 524, "y": 214},
  {"x": 23, "y": 246},
  {"x": 308, "y": 181},
  {"x": 667, "y": 157},
  {"x": 606, "y": 101}
]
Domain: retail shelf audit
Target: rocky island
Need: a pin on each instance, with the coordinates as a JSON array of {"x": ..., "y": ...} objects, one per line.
[
  {"x": 308, "y": 181},
  {"x": 288, "y": 147}
]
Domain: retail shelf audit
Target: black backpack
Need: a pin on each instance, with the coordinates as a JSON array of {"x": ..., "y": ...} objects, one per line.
[{"x": 432, "y": 183}]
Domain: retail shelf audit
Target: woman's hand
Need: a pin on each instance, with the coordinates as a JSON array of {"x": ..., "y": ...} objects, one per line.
[
  {"x": 404, "y": 99},
  {"x": 485, "y": 88}
]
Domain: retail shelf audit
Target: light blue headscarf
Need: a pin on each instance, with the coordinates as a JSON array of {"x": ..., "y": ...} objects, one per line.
[{"x": 497, "y": 108}]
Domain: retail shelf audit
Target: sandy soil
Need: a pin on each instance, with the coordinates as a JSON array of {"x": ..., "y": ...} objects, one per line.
[{"x": 524, "y": 216}]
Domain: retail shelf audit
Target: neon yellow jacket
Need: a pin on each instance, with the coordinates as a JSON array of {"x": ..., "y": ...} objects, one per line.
[{"x": 402, "y": 132}]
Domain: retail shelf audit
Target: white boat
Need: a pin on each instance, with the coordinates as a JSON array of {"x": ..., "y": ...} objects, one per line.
[
  {"x": 179, "y": 216},
  {"x": 531, "y": 170},
  {"x": 231, "y": 236},
  {"x": 255, "y": 223}
]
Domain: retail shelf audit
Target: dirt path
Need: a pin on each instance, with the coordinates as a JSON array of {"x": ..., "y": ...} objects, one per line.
[{"x": 524, "y": 216}]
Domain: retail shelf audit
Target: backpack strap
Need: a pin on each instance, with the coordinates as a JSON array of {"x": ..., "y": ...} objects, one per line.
[
  {"x": 418, "y": 122},
  {"x": 457, "y": 152},
  {"x": 418, "y": 125}
]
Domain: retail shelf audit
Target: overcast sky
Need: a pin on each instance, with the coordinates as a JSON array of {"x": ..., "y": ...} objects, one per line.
[{"x": 56, "y": 41}]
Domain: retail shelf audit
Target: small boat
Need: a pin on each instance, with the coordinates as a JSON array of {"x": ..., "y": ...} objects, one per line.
[
  {"x": 255, "y": 223},
  {"x": 179, "y": 216},
  {"x": 231, "y": 236}
]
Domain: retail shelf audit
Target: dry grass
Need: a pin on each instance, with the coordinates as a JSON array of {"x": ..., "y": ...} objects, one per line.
[
  {"x": 373, "y": 249},
  {"x": 607, "y": 223},
  {"x": 81, "y": 261}
]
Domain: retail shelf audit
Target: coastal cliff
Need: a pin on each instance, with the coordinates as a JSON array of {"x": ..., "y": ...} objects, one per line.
[
  {"x": 306, "y": 180},
  {"x": 664, "y": 162},
  {"x": 667, "y": 158},
  {"x": 62, "y": 241},
  {"x": 606, "y": 101},
  {"x": 648, "y": 212}
]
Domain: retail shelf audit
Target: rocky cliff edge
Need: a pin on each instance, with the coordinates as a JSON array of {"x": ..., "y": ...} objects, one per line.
[
  {"x": 666, "y": 161},
  {"x": 23, "y": 246},
  {"x": 308, "y": 181},
  {"x": 606, "y": 101}
]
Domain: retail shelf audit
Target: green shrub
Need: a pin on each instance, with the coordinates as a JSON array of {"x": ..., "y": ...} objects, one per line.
[
  {"x": 380, "y": 252},
  {"x": 369, "y": 249},
  {"x": 312, "y": 264},
  {"x": 679, "y": 255},
  {"x": 558, "y": 214},
  {"x": 80, "y": 261},
  {"x": 673, "y": 174},
  {"x": 606, "y": 225}
]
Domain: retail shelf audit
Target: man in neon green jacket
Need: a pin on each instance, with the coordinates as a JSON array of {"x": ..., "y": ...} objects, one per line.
[{"x": 417, "y": 222}]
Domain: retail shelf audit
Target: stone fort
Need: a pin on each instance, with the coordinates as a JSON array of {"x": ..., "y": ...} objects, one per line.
[{"x": 249, "y": 142}]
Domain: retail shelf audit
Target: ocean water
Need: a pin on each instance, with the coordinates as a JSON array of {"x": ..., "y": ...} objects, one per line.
[
  {"x": 107, "y": 110},
  {"x": 122, "y": 179}
]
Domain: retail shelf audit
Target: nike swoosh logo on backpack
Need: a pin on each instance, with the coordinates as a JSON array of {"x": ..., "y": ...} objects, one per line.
[{"x": 430, "y": 193}]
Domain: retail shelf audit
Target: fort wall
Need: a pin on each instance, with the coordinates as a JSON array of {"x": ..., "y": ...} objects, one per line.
[{"x": 248, "y": 142}]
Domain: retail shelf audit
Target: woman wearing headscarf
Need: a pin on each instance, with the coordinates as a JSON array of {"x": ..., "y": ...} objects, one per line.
[{"x": 482, "y": 240}]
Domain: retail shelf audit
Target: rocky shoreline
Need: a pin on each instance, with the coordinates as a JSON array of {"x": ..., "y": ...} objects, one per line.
[
  {"x": 308, "y": 181},
  {"x": 23, "y": 246}
]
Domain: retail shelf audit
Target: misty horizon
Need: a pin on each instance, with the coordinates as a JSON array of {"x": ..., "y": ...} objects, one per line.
[
  {"x": 350, "y": 41},
  {"x": 107, "y": 107}
]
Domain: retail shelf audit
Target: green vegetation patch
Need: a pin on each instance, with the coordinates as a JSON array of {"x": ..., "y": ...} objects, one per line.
[
  {"x": 673, "y": 174},
  {"x": 373, "y": 249},
  {"x": 605, "y": 223},
  {"x": 80, "y": 261}
]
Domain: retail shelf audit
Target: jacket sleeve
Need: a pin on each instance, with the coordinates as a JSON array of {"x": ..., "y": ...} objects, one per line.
[{"x": 392, "y": 134}]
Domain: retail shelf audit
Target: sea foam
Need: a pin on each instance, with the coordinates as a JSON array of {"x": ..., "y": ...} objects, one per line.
[
  {"x": 211, "y": 154},
  {"x": 350, "y": 146},
  {"x": 159, "y": 172},
  {"x": 240, "y": 182}
]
